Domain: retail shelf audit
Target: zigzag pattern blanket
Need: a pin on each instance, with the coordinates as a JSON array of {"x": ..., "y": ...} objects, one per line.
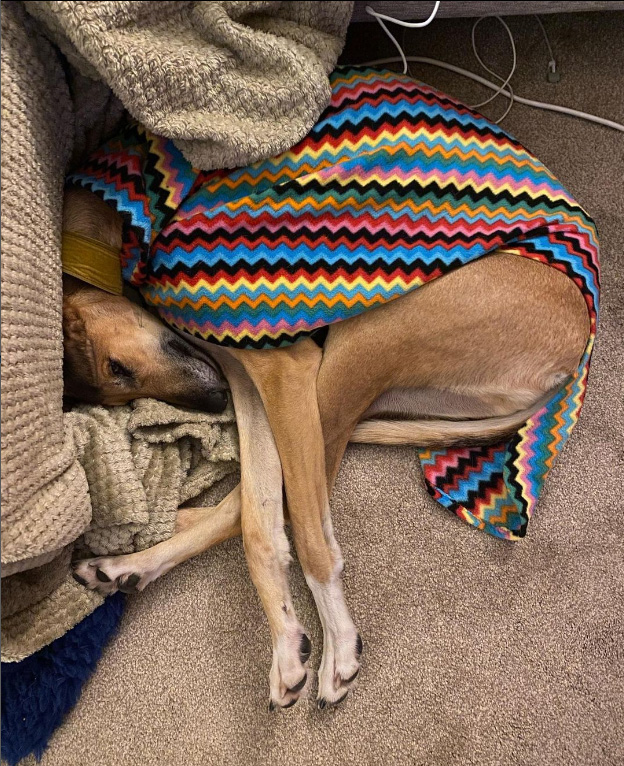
[{"x": 395, "y": 185}]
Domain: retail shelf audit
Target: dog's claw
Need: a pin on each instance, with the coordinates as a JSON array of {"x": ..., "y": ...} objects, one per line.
[
  {"x": 290, "y": 704},
  {"x": 272, "y": 706},
  {"x": 323, "y": 703}
]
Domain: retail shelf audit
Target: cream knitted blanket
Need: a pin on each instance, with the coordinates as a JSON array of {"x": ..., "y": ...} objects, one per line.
[
  {"x": 230, "y": 82},
  {"x": 142, "y": 461}
]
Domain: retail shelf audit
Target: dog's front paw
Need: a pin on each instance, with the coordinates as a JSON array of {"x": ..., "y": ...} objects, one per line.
[
  {"x": 339, "y": 668},
  {"x": 289, "y": 674},
  {"x": 106, "y": 575}
]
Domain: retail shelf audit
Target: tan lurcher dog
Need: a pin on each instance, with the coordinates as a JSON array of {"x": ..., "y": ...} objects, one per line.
[{"x": 467, "y": 357}]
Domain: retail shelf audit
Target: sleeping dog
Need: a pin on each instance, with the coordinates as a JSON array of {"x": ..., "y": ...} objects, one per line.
[{"x": 468, "y": 358}]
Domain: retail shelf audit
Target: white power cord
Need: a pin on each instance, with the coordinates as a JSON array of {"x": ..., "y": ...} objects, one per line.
[
  {"x": 553, "y": 74},
  {"x": 500, "y": 90},
  {"x": 408, "y": 24},
  {"x": 505, "y": 82},
  {"x": 492, "y": 86}
]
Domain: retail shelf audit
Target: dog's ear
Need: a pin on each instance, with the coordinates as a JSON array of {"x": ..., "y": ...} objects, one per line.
[
  {"x": 78, "y": 364},
  {"x": 74, "y": 330}
]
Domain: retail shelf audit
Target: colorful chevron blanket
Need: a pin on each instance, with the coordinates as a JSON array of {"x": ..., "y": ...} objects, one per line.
[{"x": 395, "y": 185}]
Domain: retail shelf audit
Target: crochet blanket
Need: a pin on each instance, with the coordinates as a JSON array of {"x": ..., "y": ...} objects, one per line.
[
  {"x": 395, "y": 185},
  {"x": 142, "y": 461}
]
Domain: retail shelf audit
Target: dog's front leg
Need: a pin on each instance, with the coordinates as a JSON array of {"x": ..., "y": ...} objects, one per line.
[
  {"x": 197, "y": 529},
  {"x": 286, "y": 380},
  {"x": 264, "y": 539}
]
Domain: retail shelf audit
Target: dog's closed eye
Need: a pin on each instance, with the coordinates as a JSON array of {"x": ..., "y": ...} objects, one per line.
[{"x": 119, "y": 370}]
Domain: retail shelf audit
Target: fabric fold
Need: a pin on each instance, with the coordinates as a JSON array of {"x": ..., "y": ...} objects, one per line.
[{"x": 229, "y": 82}]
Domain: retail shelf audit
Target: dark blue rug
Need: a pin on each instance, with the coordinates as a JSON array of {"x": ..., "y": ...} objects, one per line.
[{"x": 39, "y": 691}]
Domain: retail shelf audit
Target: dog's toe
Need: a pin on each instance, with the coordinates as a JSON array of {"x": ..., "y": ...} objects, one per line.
[
  {"x": 352, "y": 678},
  {"x": 340, "y": 669},
  {"x": 128, "y": 573},
  {"x": 298, "y": 687},
  {"x": 129, "y": 585},
  {"x": 323, "y": 703},
  {"x": 289, "y": 674}
]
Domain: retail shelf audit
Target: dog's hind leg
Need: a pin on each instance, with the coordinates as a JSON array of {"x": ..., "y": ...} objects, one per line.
[{"x": 286, "y": 380}]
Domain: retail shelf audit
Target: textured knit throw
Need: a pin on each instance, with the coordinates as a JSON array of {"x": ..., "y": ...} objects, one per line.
[{"x": 395, "y": 185}]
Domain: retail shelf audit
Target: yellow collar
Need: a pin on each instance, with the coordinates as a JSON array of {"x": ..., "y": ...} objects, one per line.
[{"x": 92, "y": 262}]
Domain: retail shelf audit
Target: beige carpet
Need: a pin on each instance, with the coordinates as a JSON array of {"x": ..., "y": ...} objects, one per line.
[{"x": 476, "y": 651}]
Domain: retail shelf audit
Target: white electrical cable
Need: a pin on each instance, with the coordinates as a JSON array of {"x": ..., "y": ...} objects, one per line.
[
  {"x": 492, "y": 86},
  {"x": 420, "y": 24},
  {"x": 500, "y": 90},
  {"x": 552, "y": 64},
  {"x": 408, "y": 24},
  {"x": 505, "y": 82},
  {"x": 394, "y": 40}
]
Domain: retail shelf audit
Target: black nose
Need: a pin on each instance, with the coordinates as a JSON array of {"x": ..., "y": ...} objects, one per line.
[{"x": 215, "y": 401}]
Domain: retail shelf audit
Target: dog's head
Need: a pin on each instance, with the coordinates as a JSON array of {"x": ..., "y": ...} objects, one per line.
[{"x": 116, "y": 351}]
